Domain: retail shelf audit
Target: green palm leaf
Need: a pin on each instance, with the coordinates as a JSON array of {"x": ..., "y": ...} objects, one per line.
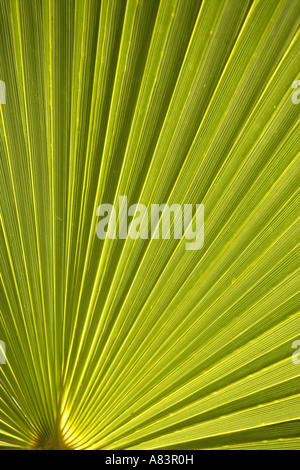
[{"x": 142, "y": 344}]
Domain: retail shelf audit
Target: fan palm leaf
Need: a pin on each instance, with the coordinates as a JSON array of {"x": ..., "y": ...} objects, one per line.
[{"x": 142, "y": 344}]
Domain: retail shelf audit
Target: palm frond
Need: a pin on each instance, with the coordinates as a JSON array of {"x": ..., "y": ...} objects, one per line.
[{"x": 142, "y": 344}]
